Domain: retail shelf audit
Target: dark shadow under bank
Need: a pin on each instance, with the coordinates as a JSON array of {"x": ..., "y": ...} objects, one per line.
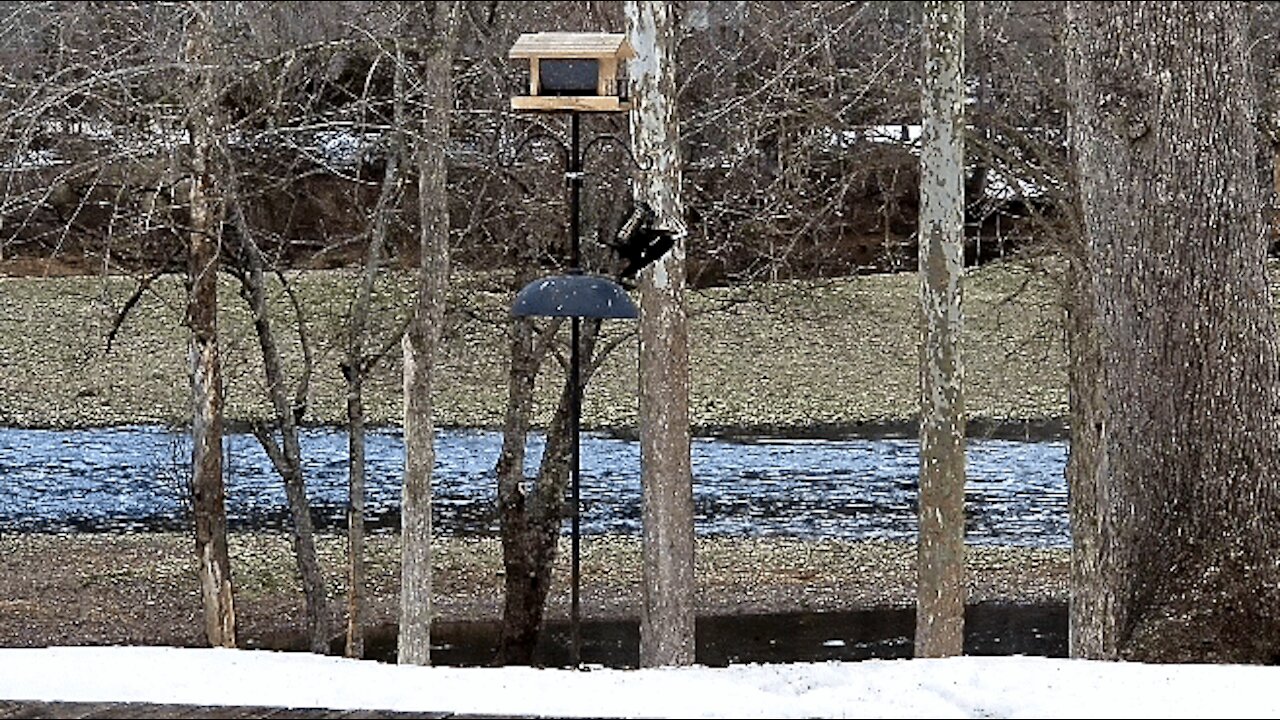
[{"x": 883, "y": 633}]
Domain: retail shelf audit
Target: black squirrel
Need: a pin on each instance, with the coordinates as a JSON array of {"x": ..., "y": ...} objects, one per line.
[{"x": 639, "y": 243}]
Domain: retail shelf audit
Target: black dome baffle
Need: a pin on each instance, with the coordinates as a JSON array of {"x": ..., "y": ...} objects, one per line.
[{"x": 579, "y": 295}]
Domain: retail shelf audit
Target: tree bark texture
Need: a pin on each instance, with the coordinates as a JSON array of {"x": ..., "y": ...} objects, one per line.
[
  {"x": 940, "y": 553},
  {"x": 285, "y": 452},
  {"x": 531, "y": 516},
  {"x": 1175, "y": 415},
  {"x": 355, "y": 516},
  {"x": 422, "y": 336},
  {"x": 207, "y": 489},
  {"x": 1275, "y": 193},
  {"x": 357, "y": 366},
  {"x": 525, "y": 587},
  {"x": 667, "y": 613}
]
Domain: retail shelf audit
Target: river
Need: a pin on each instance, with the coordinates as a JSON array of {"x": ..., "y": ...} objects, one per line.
[{"x": 133, "y": 478}]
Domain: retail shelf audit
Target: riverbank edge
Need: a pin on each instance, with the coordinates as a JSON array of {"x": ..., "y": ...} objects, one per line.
[{"x": 1028, "y": 430}]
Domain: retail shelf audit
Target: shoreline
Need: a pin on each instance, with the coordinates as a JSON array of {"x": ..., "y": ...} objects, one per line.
[{"x": 1028, "y": 430}]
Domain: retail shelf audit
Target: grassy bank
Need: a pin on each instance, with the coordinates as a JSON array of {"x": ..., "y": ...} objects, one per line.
[
  {"x": 141, "y": 588},
  {"x": 778, "y": 356}
]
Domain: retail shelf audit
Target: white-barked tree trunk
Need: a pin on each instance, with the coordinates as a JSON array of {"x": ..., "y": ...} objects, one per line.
[
  {"x": 422, "y": 336},
  {"x": 208, "y": 501},
  {"x": 667, "y": 614},
  {"x": 940, "y": 552}
]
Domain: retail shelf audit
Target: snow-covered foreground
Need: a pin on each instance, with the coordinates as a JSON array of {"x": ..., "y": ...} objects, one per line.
[{"x": 955, "y": 687}]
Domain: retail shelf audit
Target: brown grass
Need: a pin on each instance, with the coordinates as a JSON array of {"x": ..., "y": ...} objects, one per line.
[
  {"x": 141, "y": 588},
  {"x": 780, "y": 355}
]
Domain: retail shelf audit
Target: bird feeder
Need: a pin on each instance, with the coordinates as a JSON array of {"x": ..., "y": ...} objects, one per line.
[{"x": 574, "y": 71}]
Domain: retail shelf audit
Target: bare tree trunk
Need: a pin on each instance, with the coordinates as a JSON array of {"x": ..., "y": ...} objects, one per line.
[
  {"x": 355, "y": 516},
  {"x": 1275, "y": 192},
  {"x": 286, "y": 452},
  {"x": 668, "y": 614},
  {"x": 940, "y": 554},
  {"x": 525, "y": 591},
  {"x": 1175, "y": 391},
  {"x": 357, "y": 366},
  {"x": 531, "y": 523},
  {"x": 207, "y": 490},
  {"x": 1269, "y": 102},
  {"x": 423, "y": 335}
]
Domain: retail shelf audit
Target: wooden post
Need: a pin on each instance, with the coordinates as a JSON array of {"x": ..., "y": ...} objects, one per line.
[{"x": 606, "y": 81}]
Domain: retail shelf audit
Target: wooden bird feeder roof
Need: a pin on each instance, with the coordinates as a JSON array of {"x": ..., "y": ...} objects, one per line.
[{"x": 572, "y": 45}]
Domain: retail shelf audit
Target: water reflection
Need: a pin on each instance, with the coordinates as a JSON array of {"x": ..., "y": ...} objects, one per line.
[{"x": 124, "y": 478}]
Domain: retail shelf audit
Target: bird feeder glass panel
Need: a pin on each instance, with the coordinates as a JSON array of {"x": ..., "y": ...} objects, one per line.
[{"x": 568, "y": 77}]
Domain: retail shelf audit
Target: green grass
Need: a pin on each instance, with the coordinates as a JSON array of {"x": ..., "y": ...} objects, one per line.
[{"x": 772, "y": 355}]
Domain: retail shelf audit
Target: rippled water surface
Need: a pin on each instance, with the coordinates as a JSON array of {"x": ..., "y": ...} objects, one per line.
[{"x": 122, "y": 478}]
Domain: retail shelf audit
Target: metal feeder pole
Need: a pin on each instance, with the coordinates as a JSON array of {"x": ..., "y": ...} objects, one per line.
[{"x": 575, "y": 396}]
